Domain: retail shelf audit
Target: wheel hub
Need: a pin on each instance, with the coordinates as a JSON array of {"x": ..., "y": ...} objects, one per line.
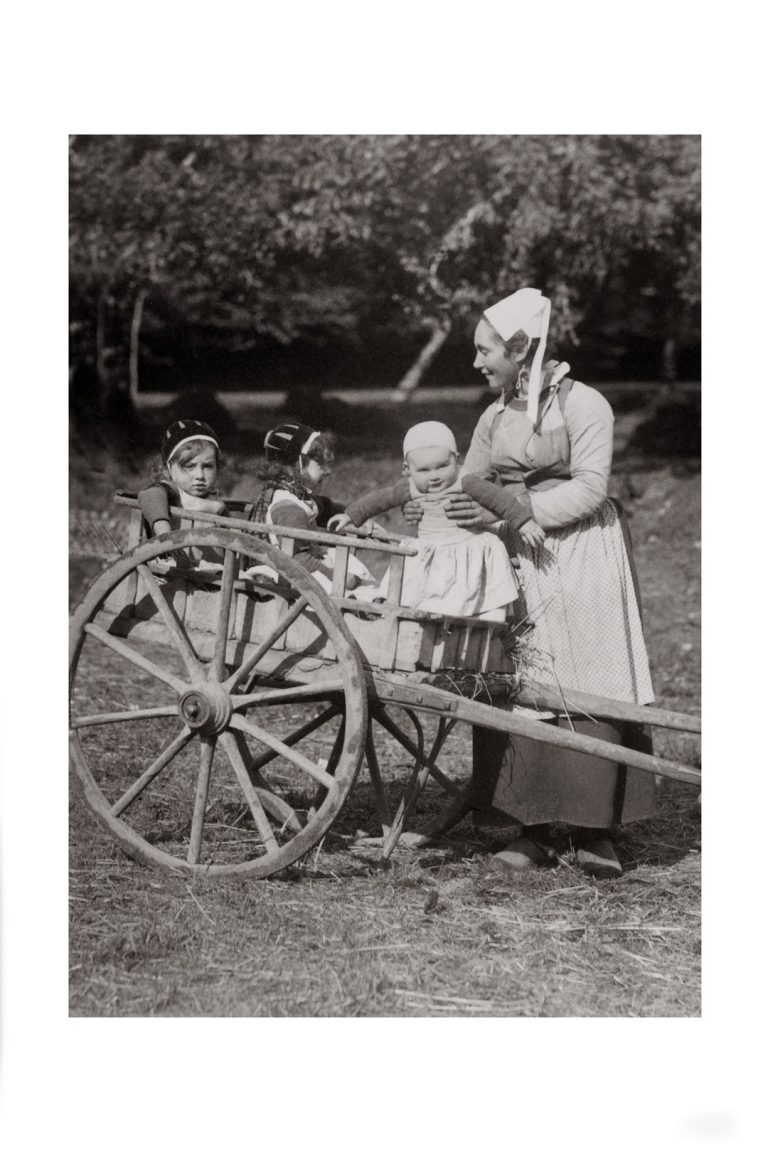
[{"x": 206, "y": 708}]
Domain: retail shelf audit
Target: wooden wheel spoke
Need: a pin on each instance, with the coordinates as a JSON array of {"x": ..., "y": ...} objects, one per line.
[
  {"x": 379, "y": 791},
  {"x": 157, "y": 766},
  {"x": 260, "y": 818},
  {"x": 444, "y": 729},
  {"x": 118, "y": 717},
  {"x": 207, "y": 748},
  {"x": 225, "y": 605},
  {"x": 331, "y": 766},
  {"x": 418, "y": 729},
  {"x": 394, "y": 730},
  {"x": 277, "y": 807},
  {"x": 259, "y": 762},
  {"x": 221, "y": 663},
  {"x": 172, "y": 623},
  {"x": 424, "y": 766},
  {"x": 133, "y": 657},
  {"x": 282, "y": 626},
  {"x": 308, "y": 766},
  {"x": 290, "y": 693}
]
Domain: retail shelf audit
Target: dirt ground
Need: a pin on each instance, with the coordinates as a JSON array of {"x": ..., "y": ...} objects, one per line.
[{"x": 436, "y": 932}]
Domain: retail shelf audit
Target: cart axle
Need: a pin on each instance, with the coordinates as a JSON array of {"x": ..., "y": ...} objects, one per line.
[{"x": 206, "y": 708}]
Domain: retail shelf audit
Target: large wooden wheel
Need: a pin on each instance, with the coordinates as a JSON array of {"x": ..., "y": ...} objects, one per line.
[{"x": 206, "y": 739}]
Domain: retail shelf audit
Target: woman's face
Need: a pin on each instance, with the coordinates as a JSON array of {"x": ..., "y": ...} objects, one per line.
[{"x": 496, "y": 364}]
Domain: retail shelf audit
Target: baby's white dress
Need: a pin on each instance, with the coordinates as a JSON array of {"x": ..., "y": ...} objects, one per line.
[{"x": 458, "y": 571}]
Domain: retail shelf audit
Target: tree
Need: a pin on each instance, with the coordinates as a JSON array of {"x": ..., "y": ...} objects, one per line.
[{"x": 288, "y": 236}]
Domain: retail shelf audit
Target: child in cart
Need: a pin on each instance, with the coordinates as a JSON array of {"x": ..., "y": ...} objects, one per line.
[
  {"x": 191, "y": 460},
  {"x": 299, "y": 459},
  {"x": 458, "y": 571}
]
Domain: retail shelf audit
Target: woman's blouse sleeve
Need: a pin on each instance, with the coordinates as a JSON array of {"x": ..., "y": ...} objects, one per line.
[
  {"x": 325, "y": 509},
  {"x": 589, "y": 421},
  {"x": 380, "y": 500},
  {"x": 478, "y": 458},
  {"x": 514, "y": 509}
]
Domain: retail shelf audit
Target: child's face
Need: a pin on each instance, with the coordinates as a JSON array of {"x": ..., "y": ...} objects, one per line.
[
  {"x": 197, "y": 474},
  {"x": 313, "y": 472},
  {"x": 432, "y": 469}
]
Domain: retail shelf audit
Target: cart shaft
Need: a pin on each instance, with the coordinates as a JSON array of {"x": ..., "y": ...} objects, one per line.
[{"x": 390, "y": 689}]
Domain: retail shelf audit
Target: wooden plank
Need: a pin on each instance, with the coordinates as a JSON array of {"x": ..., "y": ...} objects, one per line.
[
  {"x": 258, "y": 528},
  {"x": 386, "y": 648},
  {"x": 438, "y": 649},
  {"x": 136, "y": 533},
  {"x": 340, "y": 566},
  {"x": 484, "y": 661},
  {"x": 451, "y": 637},
  {"x": 385, "y": 686},
  {"x": 395, "y": 585},
  {"x": 463, "y": 647},
  {"x": 579, "y": 704}
]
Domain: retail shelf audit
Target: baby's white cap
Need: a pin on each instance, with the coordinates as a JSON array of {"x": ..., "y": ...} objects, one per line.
[{"x": 429, "y": 434}]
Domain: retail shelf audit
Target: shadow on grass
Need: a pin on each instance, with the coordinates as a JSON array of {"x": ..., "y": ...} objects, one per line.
[{"x": 672, "y": 835}]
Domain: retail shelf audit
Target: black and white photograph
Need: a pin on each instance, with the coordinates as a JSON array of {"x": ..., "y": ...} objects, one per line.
[
  {"x": 360, "y": 682},
  {"x": 385, "y": 575}
]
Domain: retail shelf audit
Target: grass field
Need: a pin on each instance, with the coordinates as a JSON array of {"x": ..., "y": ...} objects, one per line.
[{"x": 437, "y": 932}]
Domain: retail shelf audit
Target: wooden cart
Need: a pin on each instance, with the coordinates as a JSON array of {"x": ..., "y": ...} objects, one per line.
[{"x": 219, "y": 720}]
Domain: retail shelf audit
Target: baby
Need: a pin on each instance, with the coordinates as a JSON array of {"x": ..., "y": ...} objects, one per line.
[{"x": 458, "y": 571}]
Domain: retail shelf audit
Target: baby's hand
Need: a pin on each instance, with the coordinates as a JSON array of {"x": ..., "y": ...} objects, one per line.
[
  {"x": 532, "y": 533},
  {"x": 338, "y": 522}
]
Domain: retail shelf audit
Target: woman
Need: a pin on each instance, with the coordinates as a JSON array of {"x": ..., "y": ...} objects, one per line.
[{"x": 550, "y": 440}]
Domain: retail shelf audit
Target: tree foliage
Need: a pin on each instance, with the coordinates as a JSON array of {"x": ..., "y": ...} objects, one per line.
[{"x": 285, "y": 236}]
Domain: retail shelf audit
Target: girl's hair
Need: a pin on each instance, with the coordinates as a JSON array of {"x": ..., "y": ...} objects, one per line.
[
  {"x": 320, "y": 450},
  {"x": 161, "y": 470},
  {"x": 289, "y": 476},
  {"x": 191, "y": 449},
  {"x": 323, "y": 449}
]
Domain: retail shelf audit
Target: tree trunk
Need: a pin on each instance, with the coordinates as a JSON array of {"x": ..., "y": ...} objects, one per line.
[
  {"x": 101, "y": 323},
  {"x": 669, "y": 360},
  {"x": 133, "y": 353},
  {"x": 415, "y": 374}
]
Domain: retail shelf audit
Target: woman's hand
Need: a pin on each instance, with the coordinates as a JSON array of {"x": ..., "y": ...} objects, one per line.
[
  {"x": 466, "y": 512},
  {"x": 412, "y": 512},
  {"x": 532, "y": 533}
]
